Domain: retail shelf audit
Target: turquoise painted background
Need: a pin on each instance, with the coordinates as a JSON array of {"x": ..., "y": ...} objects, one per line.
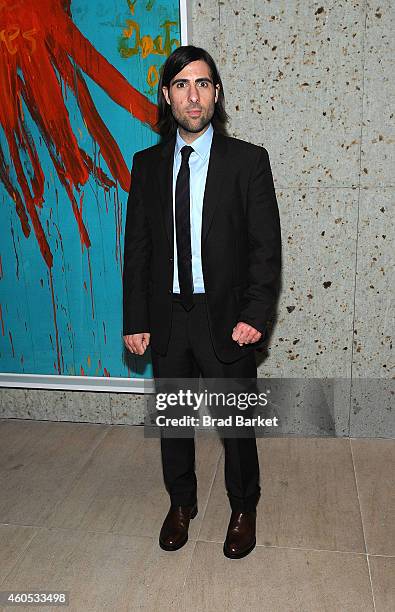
[{"x": 67, "y": 319}]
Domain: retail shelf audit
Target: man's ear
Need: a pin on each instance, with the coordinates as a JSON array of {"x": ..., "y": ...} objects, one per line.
[
  {"x": 217, "y": 88},
  {"x": 165, "y": 92}
]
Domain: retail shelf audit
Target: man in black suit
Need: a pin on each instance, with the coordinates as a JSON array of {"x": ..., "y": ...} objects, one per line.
[{"x": 202, "y": 260}]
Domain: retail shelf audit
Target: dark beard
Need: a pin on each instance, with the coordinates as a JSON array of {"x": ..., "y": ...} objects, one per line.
[{"x": 197, "y": 128}]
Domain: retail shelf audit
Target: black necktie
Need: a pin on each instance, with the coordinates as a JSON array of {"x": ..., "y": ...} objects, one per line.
[{"x": 183, "y": 231}]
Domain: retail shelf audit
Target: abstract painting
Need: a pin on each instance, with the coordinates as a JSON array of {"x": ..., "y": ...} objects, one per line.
[{"x": 78, "y": 89}]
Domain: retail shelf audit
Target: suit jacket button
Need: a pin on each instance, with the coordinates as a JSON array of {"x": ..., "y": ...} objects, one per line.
[
  {"x": 171, "y": 260},
  {"x": 170, "y": 291}
]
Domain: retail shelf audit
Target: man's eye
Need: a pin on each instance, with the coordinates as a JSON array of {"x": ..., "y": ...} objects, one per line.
[{"x": 204, "y": 83}]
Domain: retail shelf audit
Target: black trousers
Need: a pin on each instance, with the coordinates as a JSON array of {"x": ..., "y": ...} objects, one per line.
[{"x": 191, "y": 354}]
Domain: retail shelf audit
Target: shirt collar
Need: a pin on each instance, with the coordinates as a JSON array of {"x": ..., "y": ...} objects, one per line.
[{"x": 201, "y": 145}]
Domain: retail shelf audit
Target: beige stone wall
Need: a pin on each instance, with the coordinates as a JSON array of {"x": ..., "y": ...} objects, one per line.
[{"x": 313, "y": 82}]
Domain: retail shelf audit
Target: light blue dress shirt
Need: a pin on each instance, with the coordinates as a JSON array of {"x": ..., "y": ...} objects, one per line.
[{"x": 198, "y": 165}]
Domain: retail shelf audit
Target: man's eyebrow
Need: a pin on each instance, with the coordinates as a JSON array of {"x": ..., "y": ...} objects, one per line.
[{"x": 196, "y": 80}]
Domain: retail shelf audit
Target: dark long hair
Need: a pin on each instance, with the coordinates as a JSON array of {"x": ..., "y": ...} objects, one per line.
[{"x": 181, "y": 57}]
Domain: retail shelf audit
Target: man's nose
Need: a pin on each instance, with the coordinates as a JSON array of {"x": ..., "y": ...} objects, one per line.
[{"x": 193, "y": 93}]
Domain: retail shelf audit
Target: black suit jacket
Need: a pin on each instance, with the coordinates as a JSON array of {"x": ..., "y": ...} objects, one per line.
[{"x": 240, "y": 248}]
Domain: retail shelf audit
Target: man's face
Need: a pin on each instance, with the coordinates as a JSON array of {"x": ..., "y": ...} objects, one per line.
[{"x": 192, "y": 96}]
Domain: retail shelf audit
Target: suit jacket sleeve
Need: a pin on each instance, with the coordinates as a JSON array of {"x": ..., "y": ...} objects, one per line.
[
  {"x": 137, "y": 253},
  {"x": 264, "y": 243}
]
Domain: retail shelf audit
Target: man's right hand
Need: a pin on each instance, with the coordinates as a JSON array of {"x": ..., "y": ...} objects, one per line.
[{"x": 137, "y": 343}]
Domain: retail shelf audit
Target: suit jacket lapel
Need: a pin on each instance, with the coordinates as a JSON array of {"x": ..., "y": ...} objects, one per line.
[{"x": 216, "y": 173}]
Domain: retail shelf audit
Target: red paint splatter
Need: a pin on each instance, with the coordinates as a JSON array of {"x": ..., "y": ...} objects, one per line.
[
  {"x": 106, "y": 372},
  {"x": 42, "y": 51}
]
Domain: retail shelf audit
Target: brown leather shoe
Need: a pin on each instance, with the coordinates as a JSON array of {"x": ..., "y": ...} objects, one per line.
[
  {"x": 174, "y": 532},
  {"x": 240, "y": 538}
]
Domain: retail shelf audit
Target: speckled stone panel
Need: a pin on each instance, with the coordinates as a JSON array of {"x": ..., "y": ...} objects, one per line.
[
  {"x": 378, "y": 124},
  {"x": 372, "y": 408},
  {"x": 373, "y": 402},
  {"x": 312, "y": 336},
  {"x": 128, "y": 408},
  {"x": 293, "y": 75},
  {"x": 55, "y": 405},
  {"x": 13, "y": 403},
  {"x": 374, "y": 313},
  {"x": 313, "y": 332},
  {"x": 205, "y": 30},
  {"x": 74, "y": 406}
]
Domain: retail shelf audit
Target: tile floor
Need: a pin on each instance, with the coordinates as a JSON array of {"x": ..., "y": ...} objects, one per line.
[{"x": 81, "y": 506}]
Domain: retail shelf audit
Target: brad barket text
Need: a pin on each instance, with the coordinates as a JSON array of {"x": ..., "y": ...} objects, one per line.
[{"x": 237, "y": 420}]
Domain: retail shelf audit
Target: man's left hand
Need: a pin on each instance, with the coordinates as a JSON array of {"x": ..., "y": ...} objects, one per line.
[{"x": 245, "y": 334}]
